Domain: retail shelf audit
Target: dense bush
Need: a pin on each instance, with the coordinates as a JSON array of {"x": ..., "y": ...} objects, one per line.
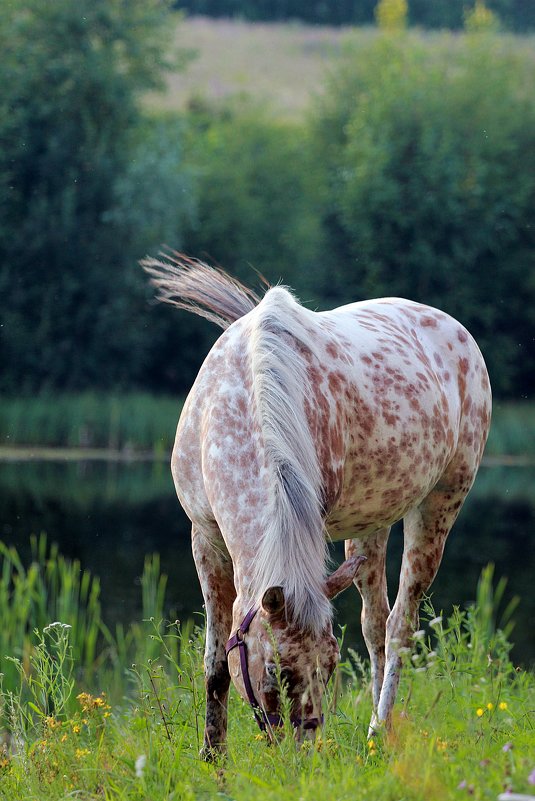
[
  {"x": 79, "y": 170},
  {"x": 257, "y": 195},
  {"x": 429, "y": 152}
]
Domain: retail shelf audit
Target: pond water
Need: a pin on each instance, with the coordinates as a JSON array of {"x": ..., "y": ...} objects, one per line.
[{"x": 109, "y": 515}]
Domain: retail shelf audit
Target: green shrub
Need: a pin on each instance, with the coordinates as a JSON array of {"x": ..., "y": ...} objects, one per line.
[
  {"x": 81, "y": 199},
  {"x": 258, "y": 201},
  {"x": 429, "y": 147}
]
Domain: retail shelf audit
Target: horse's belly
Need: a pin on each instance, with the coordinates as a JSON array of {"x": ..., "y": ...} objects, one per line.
[{"x": 388, "y": 473}]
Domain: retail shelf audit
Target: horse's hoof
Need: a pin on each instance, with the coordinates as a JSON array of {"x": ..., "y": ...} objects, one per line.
[
  {"x": 377, "y": 727},
  {"x": 210, "y": 753}
]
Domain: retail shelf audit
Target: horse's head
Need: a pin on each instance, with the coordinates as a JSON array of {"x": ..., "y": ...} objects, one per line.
[{"x": 268, "y": 651}]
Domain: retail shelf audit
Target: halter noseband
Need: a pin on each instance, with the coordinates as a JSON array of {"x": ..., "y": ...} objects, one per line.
[{"x": 265, "y": 721}]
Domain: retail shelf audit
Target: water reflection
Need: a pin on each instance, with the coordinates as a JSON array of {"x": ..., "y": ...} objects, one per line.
[{"x": 110, "y": 515}]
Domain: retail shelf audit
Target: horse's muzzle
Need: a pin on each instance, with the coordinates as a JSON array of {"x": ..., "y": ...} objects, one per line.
[{"x": 265, "y": 721}]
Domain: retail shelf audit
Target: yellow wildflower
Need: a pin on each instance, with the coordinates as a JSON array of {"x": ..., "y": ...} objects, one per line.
[
  {"x": 75, "y": 728},
  {"x": 480, "y": 712},
  {"x": 80, "y": 753},
  {"x": 372, "y": 749},
  {"x": 64, "y": 738},
  {"x": 90, "y": 703},
  {"x": 502, "y": 705},
  {"x": 391, "y": 15},
  {"x": 490, "y": 706}
]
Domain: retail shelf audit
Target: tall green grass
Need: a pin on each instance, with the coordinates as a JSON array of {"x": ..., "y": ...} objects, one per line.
[
  {"x": 53, "y": 588},
  {"x": 142, "y": 422},
  {"x": 463, "y": 725},
  {"x": 88, "y": 420}
]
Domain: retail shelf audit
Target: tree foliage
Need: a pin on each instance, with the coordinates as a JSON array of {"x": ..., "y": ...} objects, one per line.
[
  {"x": 75, "y": 190},
  {"x": 431, "y": 164},
  {"x": 257, "y": 194},
  {"x": 413, "y": 176}
]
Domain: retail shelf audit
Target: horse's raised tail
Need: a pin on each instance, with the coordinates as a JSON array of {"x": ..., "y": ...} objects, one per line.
[{"x": 192, "y": 285}]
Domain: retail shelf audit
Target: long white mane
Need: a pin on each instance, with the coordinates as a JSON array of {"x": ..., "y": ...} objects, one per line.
[{"x": 292, "y": 550}]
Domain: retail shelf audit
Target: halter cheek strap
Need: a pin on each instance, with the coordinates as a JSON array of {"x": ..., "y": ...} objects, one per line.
[
  {"x": 237, "y": 641},
  {"x": 264, "y": 720}
]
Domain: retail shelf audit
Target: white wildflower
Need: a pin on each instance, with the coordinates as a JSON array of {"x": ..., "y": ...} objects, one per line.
[
  {"x": 57, "y": 624},
  {"x": 515, "y": 797},
  {"x": 141, "y": 761},
  {"x": 437, "y": 621}
]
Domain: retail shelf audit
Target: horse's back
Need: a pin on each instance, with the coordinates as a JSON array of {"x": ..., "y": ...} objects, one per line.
[
  {"x": 408, "y": 400},
  {"x": 398, "y": 392}
]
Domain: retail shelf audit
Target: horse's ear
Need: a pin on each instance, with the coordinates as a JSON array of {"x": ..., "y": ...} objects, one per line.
[
  {"x": 273, "y": 601},
  {"x": 342, "y": 576}
]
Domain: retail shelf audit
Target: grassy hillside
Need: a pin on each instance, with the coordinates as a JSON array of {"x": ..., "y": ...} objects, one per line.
[{"x": 281, "y": 64}]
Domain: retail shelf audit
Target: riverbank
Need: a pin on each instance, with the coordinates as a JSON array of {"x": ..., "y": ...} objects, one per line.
[
  {"x": 137, "y": 426},
  {"x": 31, "y": 453}
]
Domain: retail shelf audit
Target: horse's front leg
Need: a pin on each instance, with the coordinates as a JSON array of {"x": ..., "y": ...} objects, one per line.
[
  {"x": 371, "y": 583},
  {"x": 215, "y": 571},
  {"x": 425, "y": 531}
]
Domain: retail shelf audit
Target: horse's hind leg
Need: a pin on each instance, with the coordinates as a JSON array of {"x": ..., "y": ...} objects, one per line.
[
  {"x": 425, "y": 531},
  {"x": 216, "y": 577},
  {"x": 371, "y": 583}
]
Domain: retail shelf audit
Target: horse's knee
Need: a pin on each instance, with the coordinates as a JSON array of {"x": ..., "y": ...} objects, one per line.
[
  {"x": 374, "y": 627},
  {"x": 218, "y": 682},
  {"x": 399, "y": 629}
]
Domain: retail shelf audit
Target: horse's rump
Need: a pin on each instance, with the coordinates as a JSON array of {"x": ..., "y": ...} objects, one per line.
[{"x": 413, "y": 399}]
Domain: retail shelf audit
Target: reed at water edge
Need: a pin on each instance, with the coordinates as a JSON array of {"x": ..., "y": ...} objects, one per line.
[
  {"x": 141, "y": 423},
  {"x": 132, "y": 422}
]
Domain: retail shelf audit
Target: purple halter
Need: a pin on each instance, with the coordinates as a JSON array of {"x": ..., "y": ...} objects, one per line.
[{"x": 265, "y": 721}]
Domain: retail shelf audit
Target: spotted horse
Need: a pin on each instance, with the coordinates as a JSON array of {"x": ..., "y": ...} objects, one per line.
[{"x": 305, "y": 427}]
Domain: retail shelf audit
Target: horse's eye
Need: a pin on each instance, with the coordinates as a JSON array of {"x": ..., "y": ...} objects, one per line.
[
  {"x": 271, "y": 670},
  {"x": 286, "y": 675}
]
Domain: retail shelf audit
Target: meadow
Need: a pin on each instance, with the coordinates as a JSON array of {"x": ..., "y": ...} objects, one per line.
[
  {"x": 283, "y": 66},
  {"x": 125, "y": 721},
  {"x": 94, "y": 712}
]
